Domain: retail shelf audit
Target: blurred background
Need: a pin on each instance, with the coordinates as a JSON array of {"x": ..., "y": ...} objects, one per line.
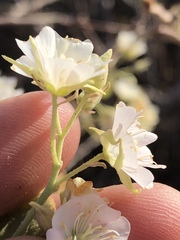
[{"x": 144, "y": 73}]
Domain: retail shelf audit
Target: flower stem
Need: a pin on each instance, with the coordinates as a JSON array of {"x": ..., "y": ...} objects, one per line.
[
  {"x": 80, "y": 168},
  {"x": 56, "y": 151},
  {"x": 54, "y": 122},
  {"x": 51, "y": 187},
  {"x": 68, "y": 127}
]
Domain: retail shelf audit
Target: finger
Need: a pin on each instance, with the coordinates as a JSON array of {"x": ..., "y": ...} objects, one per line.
[
  {"x": 25, "y": 158},
  {"x": 153, "y": 214}
]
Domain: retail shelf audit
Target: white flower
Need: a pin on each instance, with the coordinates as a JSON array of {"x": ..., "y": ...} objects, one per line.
[
  {"x": 130, "y": 46},
  {"x": 88, "y": 217},
  {"x": 57, "y": 65},
  {"x": 7, "y": 87},
  {"x": 125, "y": 148}
]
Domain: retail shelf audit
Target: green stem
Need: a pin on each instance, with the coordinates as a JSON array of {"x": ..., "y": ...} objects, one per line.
[
  {"x": 51, "y": 187},
  {"x": 54, "y": 121},
  {"x": 74, "y": 116},
  {"x": 69, "y": 125},
  {"x": 56, "y": 151},
  {"x": 59, "y": 134},
  {"x": 80, "y": 168}
]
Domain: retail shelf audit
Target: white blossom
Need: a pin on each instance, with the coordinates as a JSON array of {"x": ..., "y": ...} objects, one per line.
[
  {"x": 88, "y": 217},
  {"x": 56, "y": 64},
  {"x": 125, "y": 148}
]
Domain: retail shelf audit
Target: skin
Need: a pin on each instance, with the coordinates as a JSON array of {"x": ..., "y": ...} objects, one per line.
[{"x": 25, "y": 165}]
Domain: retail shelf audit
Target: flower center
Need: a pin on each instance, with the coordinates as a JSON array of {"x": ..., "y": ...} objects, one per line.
[{"x": 84, "y": 229}]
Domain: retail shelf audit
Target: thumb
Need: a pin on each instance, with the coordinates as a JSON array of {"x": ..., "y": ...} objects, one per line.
[{"x": 153, "y": 214}]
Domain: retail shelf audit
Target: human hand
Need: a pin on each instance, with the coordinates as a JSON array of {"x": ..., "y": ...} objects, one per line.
[{"x": 153, "y": 214}]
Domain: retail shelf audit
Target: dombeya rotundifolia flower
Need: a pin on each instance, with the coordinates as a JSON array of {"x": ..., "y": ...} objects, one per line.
[
  {"x": 124, "y": 147},
  {"x": 57, "y": 65},
  {"x": 88, "y": 217}
]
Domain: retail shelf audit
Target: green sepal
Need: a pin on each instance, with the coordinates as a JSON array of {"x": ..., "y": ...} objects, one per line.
[
  {"x": 98, "y": 88},
  {"x": 107, "y": 55},
  {"x": 27, "y": 70},
  {"x": 96, "y": 130},
  {"x": 126, "y": 180},
  {"x": 107, "y": 139},
  {"x": 43, "y": 215}
]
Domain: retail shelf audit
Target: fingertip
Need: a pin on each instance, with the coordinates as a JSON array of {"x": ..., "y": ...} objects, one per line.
[{"x": 153, "y": 214}]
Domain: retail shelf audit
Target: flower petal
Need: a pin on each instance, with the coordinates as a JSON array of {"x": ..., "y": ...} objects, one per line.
[
  {"x": 129, "y": 152},
  {"x": 142, "y": 176},
  {"x": 79, "y": 51},
  {"x": 53, "y": 234},
  {"x": 144, "y": 156},
  {"x": 46, "y": 41},
  {"x": 26, "y": 48},
  {"x": 124, "y": 115},
  {"x": 144, "y": 138},
  {"x": 121, "y": 225}
]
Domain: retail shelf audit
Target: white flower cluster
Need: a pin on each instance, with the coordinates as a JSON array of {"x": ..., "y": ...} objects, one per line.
[{"x": 61, "y": 66}]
